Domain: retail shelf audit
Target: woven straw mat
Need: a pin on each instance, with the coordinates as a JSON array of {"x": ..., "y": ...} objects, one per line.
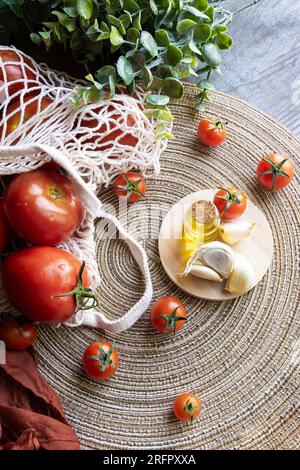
[{"x": 240, "y": 357}]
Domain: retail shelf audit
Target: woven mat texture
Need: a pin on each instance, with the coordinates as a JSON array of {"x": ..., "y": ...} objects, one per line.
[{"x": 242, "y": 357}]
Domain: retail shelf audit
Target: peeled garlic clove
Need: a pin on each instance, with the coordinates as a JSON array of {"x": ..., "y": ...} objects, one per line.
[
  {"x": 205, "y": 272},
  {"x": 242, "y": 277},
  {"x": 234, "y": 232},
  {"x": 217, "y": 256}
]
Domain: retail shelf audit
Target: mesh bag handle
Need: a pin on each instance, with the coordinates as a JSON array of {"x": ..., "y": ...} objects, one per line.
[{"x": 93, "y": 205}]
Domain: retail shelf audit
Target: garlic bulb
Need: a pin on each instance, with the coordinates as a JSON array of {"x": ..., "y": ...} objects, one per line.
[
  {"x": 242, "y": 277},
  {"x": 205, "y": 272},
  {"x": 234, "y": 232},
  {"x": 217, "y": 256}
]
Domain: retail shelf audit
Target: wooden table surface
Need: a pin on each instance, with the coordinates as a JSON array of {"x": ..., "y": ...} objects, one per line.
[{"x": 263, "y": 66}]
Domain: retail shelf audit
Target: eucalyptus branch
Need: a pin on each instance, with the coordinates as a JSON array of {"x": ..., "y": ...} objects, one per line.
[{"x": 121, "y": 41}]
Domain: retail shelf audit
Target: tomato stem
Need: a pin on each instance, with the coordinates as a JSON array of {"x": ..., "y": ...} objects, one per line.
[
  {"x": 103, "y": 358},
  {"x": 190, "y": 408},
  {"x": 275, "y": 170},
  {"x": 230, "y": 198},
  {"x": 82, "y": 294},
  {"x": 219, "y": 124},
  {"x": 131, "y": 187},
  {"x": 171, "y": 319}
]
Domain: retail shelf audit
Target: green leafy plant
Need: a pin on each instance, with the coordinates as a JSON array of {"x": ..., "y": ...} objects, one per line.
[{"x": 160, "y": 42}]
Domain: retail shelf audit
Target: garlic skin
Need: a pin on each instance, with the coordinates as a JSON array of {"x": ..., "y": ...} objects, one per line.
[
  {"x": 205, "y": 272},
  {"x": 234, "y": 232},
  {"x": 242, "y": 277},
  {"x": 218, "y": 256}
]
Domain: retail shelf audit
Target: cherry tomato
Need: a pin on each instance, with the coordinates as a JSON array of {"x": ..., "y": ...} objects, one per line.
[
  {"x": 3, "y": 228},
  {"x": 17, "y": 334},
  {"x": 212, "y": 132},
  {"x": 275, "y": 171},
  {"x": 46, "y": 284},
  {"x": 100, "y": 360},
  {"x": 231, "y": 203},
  {"x": 187, "y": 407},
  {"x": 42, "y": 207},
  {"x": 10, "y": 72},
  {"x": 131, "y": 185},
  {"x": 114, "y": 126},
  {"x": 30, "y": 110},
  {"x": 168, "y": 314}
]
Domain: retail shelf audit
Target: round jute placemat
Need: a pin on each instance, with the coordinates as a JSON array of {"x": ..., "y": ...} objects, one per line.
[{"x": 241, "y": 357}]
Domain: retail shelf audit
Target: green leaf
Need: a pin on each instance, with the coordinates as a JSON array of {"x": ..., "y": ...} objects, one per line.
[
  {"x": 185, "y": 25},
  {"x": 71, "y": 11},
  {"x": 164, "y": 115},
  {"x": 173, "y": 87},
  {"x": 76, "y": 40},
  {"x": 157, "y": 99},
  {"x": 116, "y": 22},
  {"x": 153, "y": 7},
  {"x": 133, "y": 35},
  {"x": 194, "y": 48},
  {"x": 131, "y": 6},
  {"x": 104, "y": 27},
  {"x": 201, "y": 5},
  {"x": 200, "y": 106},
  {"x": 103, "y": 36},
  {"x": 202, "y": 33},
  {"x": 15, "y": 6},
  {"x": 162, "y": 37},
  {"x": 211, "y": 54},
  {"x": 196, "y": 12},
  {"x": 103, "y": 74},
  {"x": 85, "y": 8},
  {"x": 125, "y": 70},
  {"x": 210, "y": 11},
  {"x": 115, "y": 37},
  {"x": 218, "y": 71},
  {"x": 174, "y": 55},
  {"x": 224, "y": 41},
  {"x": 35, "y": 38},
  {"x": 221, "y": 29},
  {"x": 137, "y": 21},
  {"x": 112, "y": 86},
  {"x": 149, "y": 43},
  {"x": 205, "y": 85},
  {"x": 147, "y": 77}
]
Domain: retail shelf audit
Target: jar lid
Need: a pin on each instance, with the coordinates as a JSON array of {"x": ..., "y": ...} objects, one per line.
[{"x": 204, "y": 212}]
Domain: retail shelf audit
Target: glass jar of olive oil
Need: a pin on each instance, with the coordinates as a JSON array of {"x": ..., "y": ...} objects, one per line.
[{"x": 200, "y": 225}]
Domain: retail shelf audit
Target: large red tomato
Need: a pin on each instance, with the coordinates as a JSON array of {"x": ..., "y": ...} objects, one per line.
[
  {"x": 115, "y": 121},
  {"x": 31, "y": 110},
  {"x": 10, "y": 71},
  {"x": 42, "y": 207},
  {"x": 3, "y": 228},
  {"x": 46, "y": 284}
]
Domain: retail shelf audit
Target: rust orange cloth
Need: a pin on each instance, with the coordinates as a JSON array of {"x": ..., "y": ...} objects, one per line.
[{"x": 31, "y": 415}]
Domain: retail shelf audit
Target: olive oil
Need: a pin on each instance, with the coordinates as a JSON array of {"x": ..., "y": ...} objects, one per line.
[{"x": 201, "y": 221}]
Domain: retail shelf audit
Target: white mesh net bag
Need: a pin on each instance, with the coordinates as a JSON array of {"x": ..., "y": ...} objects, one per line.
[{"x": 92, "y": 143}]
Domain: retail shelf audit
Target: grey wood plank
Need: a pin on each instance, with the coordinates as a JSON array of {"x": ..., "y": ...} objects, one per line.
[{"x": 263, "y": 66}]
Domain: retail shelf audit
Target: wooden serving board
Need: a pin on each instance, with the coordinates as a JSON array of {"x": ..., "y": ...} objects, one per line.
[{"x": 257, "y": 248}]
